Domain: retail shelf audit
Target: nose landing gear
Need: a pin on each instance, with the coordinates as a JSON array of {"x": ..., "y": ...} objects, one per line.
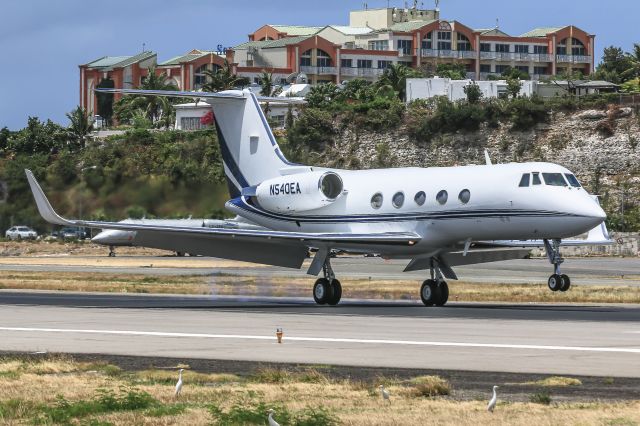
[
  {"x": 557, "y": 281},
  {"x": 327, "y": 290}
]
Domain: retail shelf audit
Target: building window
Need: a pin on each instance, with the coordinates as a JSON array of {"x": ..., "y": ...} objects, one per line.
[
  {"x": 406, "y": 63},
  {"x": 379, "y": 45},
  {"x": 346, "y": 63},
  {"x": 323, "y": 59},
  {"x": 305, "y": 59},
  {"x": 383, "y": 65},
  {"x": 540, "y": 70},
  {"x": 376, "y": 200},
  {"x": 199, "y": 76},
  {"x": 561, "y": 49},
  {"x": 277, "y": 120},
  {"x": 485, "y": 68},
  {"x": 191, "y": 123},
  {"x": 485, "y": 47},
  {"x": 420, "y": 198},
  {"x": 522, "y": 48},
  {"x": 427, "y": 42},
  {"x": 442, "y": 197},
  {"x": 398, "y": 200},
  {"x": 406, "y": 46},
  {"x": 365, "y": 63},
  {"x": 523, "y": 68},
  {"x": 444, "y": 35},
  {"x": 502, "y": 68},
  {"x": 577, "y": 48},
  {"x": 540, "y": 50},
  {"x": 504, "y": 48},
  {"x": 463, "y": 43}
]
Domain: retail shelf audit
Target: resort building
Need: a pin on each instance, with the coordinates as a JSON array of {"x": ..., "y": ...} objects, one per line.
[{"x": 377, "y": 38}]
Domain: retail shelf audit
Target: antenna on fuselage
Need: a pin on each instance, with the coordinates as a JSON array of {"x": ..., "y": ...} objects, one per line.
[{"x": 487, "y": 159}]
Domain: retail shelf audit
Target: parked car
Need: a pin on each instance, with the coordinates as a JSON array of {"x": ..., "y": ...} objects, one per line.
[
  {"x": 21, "y": 233},
  {"x": 71, "y": 233}
]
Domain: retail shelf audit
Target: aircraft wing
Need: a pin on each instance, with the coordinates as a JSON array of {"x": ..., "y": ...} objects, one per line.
[{"x": 287, "y": 249}]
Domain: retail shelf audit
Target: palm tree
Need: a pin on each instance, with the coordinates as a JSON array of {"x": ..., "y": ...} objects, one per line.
[
  {"x": 155, "y": 108},
  {"x": 396, "y": 77},
  {"x": 221, "y": 79},
  {"x": 265, "y": 80},
  {"x": 634, "y": 62},
  {"x": 80, "y": 125}
]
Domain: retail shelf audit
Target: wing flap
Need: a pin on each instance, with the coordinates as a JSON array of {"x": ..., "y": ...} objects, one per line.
[{"x": 472, "y": 257}]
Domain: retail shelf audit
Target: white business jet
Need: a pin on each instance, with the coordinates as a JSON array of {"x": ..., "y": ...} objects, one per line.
[{"x": 436, "y": 218}]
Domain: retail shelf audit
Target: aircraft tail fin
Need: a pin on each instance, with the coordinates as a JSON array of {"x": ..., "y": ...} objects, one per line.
[{"x": 249, "y": 149}]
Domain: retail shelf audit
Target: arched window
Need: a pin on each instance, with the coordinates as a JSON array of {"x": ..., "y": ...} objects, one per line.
[
  {"x": 427, "y": 41},
  {"x": 463, "y": 43},
  {"x": 305, "y": 59},
  {"x": 200, "y": 78},
  {"x": 577, "y": 47},
  {"x": 323, "y": 58}
]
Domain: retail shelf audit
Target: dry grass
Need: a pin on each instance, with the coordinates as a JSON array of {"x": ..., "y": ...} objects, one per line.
[
  {"x": 25, "y": 395},
  {"x": 556, "y": 381},
  {"x": 300, "y": 287}
]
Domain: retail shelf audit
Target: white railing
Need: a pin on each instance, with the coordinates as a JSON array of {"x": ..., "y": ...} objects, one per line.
[
  {"x": 403, "y": 52},
  {"x": 362, "y": 72},
  {"x": 435, "y": 53},
  {"x": 319, "y": 70},
  {"x": 576, "y": 59},
  {"x": 488, "y": 55}
]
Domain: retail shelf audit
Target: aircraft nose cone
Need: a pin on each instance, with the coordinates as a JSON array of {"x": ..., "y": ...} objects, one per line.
[{"x": 100, "y": 238}]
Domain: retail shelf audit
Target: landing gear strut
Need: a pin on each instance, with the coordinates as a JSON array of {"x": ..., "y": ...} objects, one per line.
[
  {"x": 327, "y": 290},
  {"x": 434, "y": 291},
  {"x": 557, "y": 281},
  {"x": 112, "y": 251}
]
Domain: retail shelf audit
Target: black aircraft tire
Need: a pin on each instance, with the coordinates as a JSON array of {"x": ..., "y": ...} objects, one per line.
[
  {"x": 336, "y": 293},
  {"x": 554, "y": 282},
  {"x": 443, "y": 294},
  {"x": 322, "y": 291},
  {"x": 429, "y": 292},
  {"x": 565, "y": 283}
]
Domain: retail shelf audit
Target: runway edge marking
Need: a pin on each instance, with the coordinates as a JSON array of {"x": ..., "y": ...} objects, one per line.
[{"x": 325, "y": 339}]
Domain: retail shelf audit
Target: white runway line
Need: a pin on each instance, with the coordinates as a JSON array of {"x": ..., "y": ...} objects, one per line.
[{"x": 325, "y": 339}]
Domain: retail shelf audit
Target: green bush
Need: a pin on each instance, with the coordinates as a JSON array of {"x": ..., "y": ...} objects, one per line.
[
  {"x": 251, "y": 414},
  {"x": 525, "y": 113},
  {"x": 542, "y": 397},
  {"x": 313, "y": 130}
]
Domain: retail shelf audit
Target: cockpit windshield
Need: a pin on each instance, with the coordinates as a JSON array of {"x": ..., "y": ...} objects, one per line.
[
  {"x": 554, "y": 179},
  {"x": 573, "y": 181}
]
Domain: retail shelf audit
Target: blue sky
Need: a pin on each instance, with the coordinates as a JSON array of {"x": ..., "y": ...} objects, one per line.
[{"x": 42, "y": 42}]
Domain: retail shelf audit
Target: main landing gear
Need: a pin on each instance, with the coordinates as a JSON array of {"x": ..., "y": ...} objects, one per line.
[
  {"x": 327, "y": 290},
  {"x": 434, "y": 291},
  {"x": 112, "y": 251},
  {"x": 557, "y": 281}
]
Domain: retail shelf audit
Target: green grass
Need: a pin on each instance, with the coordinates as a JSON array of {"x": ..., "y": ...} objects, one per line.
[
  {"x": 255, "y": 414},
  {"x": 542, "y": 397}
]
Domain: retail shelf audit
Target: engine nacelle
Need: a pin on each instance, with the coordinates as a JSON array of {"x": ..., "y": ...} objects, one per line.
[{"x": 299, "y": 192}]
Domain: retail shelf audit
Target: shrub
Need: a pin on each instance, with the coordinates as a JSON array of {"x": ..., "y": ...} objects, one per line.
[
  {"x": 430, "y": 386},
  {"x": 542, "y": 397},
  {"x": 313, "y": 130},
  {"x": 524, "y": 113},
  {"x": 250, "y": 414}
]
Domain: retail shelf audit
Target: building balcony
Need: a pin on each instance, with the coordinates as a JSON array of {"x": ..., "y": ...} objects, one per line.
[
  {"x": 319, "y": 70},
  {"x": 458, "y": 54},
  {"x": 403, "y": 53},
  {"x": 574, "y": 59},
  {"x": 519, "y": 57},
  {"x": 362, "y": 72}
]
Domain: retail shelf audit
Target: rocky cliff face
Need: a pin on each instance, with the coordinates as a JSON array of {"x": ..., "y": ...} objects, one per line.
[{"x": 599, "y": 146}]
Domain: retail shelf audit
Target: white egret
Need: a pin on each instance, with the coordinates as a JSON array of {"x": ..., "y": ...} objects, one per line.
[
  {"x": 494, "y": 399},
  {"x": 271, "y": 421},
  {"x": 385, "y": 394},
  {"x": 179, "y": 384}
]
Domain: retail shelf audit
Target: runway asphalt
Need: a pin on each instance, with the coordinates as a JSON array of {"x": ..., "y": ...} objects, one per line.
[
  {"x": 556, "y": 339},
  {"x": 585, "y": 271}
]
